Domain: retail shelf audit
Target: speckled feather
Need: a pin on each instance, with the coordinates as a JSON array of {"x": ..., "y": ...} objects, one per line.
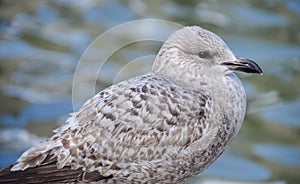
[{"x": 165, "y": 126}]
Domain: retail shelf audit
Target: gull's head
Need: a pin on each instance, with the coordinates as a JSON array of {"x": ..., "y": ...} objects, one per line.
[{"x": 200, "y": 50}]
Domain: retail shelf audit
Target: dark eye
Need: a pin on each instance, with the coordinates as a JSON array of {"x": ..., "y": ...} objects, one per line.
[{"x": 203, "y": 55}]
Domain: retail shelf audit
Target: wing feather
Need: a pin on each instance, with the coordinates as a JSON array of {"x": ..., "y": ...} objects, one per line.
[{"x": 145, "y": 119}]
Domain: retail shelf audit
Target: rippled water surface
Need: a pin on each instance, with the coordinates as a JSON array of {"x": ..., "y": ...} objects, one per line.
[{"x": 42, "y": 42}]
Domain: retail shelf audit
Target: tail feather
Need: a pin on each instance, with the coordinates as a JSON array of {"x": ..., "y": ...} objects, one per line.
[
  {"x": 48, "y": 173},
  {"x": 42, "y": 174}
]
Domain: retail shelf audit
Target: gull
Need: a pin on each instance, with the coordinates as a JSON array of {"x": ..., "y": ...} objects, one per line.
[{"x": 165, "y": 126}]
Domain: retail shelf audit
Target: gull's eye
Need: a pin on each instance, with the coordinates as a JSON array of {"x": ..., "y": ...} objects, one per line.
[{"x": 203, "y": 55}]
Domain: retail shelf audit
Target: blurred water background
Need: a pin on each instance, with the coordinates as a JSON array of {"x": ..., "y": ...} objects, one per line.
[{"x": 41, "y": 43}]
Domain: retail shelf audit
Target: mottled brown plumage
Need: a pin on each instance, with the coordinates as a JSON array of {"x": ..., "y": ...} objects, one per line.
[{"x": 163, "y": 127}]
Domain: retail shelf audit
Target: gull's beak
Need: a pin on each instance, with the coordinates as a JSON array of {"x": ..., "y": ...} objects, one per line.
[{"x": 243, "y": 65}]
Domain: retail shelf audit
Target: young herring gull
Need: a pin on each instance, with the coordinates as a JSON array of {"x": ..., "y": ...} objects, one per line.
[{"x": 162, "y": 127}]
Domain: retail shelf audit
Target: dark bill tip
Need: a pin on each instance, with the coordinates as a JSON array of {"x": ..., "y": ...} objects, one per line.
[{"x": 244, "y": 65}]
